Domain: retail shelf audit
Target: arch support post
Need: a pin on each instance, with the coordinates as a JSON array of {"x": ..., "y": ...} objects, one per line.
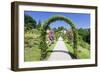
[{"x": 75, "y": 41}]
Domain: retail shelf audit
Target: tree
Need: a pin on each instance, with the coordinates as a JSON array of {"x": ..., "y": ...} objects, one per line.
[
  {"x": 61, "y": 28},
  {"x": 29, "y": 22},
  {"x": 54, "y": 29},
  {"x": 85, "y": 34},
  {"x": 39, "y": 25}
]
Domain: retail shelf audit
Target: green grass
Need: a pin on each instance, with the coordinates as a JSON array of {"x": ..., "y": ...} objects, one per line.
[
  {"x": 83, "y": 53},
  {"x": 70, "y": 48},
  {"x": 83, "y": 50},
  {"x": 32, "y": 54},
  {"x": 31, "y": 43}
]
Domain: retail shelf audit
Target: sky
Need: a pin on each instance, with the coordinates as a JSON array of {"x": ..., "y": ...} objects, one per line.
[{"x": 81, "y": 20}]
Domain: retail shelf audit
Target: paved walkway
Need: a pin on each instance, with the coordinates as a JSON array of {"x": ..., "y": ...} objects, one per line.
[{"x": 60, "y": 51}]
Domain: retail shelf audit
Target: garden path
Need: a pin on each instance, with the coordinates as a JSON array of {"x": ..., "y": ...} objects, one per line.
[{"x": 60, "y": 51}]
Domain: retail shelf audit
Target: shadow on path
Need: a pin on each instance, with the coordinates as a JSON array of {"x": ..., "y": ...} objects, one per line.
[{"x": 72, "y": 55}]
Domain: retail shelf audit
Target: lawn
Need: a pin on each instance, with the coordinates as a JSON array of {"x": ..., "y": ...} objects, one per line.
[
  {"x": 83, "y": 53},
  {"x": 32, "y": 52}
]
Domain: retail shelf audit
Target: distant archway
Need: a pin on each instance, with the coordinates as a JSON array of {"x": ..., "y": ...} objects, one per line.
[{"x": 45, "y": 27}]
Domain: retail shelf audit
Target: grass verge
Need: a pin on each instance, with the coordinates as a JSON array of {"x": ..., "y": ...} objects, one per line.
[{"x": 83, "y": 53}]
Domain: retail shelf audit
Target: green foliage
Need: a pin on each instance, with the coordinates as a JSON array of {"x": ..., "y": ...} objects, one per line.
[
  {"x": 43, "y": 45},
  {"x": 29, "y": 22},
  {"x": 61, "y": 28},
  {"x": 35, "y": 48},
  {"x": 57, "y": 35},
  {"x": 83, "y": 44},
  {"x": 43, "y": 48},
  {"x": 83, "y": 53},
  {"x": 32, "y": 54},
  {"x": 39, "y": 25},
  {"x": 84, "y": 34},
  {"x": 32, "y": 51}
]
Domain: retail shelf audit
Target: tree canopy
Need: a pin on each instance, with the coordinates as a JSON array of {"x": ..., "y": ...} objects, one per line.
[{"x": 29, "y": 22}]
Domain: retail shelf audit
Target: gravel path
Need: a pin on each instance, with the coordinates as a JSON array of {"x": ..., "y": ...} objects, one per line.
[{"x": 60, "y": 51}]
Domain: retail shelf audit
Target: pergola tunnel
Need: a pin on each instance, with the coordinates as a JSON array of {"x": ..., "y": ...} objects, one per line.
[{"x": 43, "y": 45}]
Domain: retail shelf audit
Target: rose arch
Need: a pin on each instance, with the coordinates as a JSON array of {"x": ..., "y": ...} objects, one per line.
[{"x": 43, "y": 45}]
